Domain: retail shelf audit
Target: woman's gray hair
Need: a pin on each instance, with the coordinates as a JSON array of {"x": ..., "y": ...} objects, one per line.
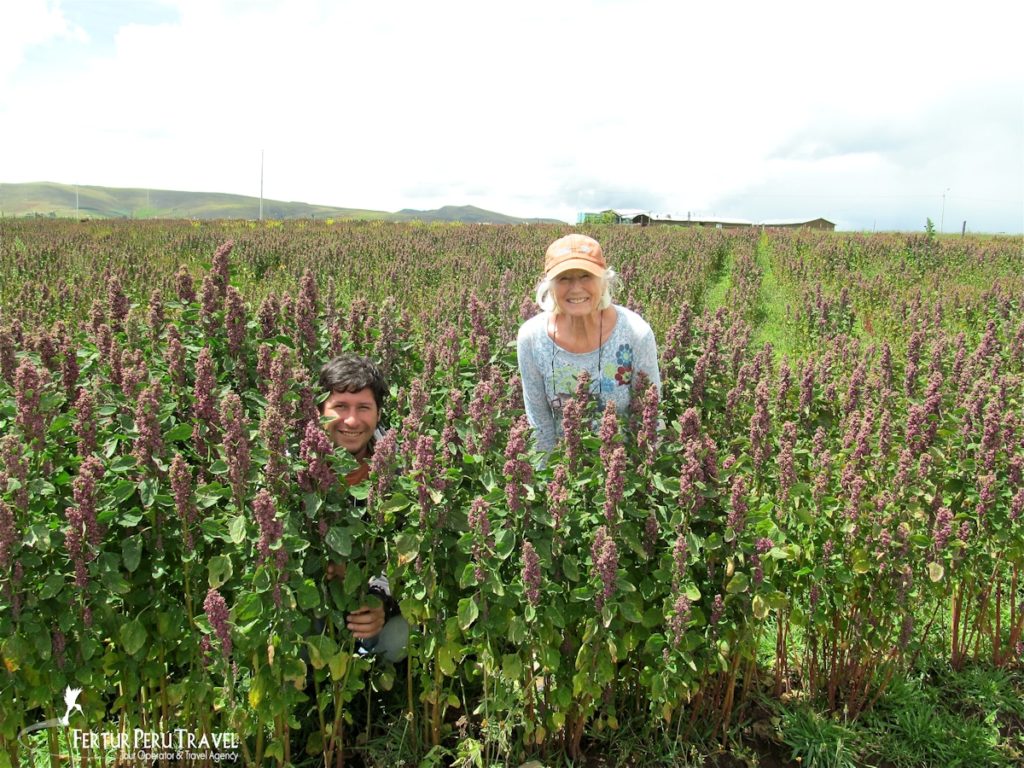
[{"x": 546, "y": 301}]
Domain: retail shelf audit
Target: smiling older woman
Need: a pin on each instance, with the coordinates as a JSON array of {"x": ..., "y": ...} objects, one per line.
[{"x": 580, "y": 330}]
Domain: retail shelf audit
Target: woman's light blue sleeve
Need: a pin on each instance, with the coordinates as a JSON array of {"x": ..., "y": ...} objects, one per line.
[
  {"x": 535, "y": 400},
  {"x": 647, "y": 358}
]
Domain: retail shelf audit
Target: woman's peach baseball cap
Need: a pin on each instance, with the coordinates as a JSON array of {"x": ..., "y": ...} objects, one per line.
[{"x": 574, "y": 252}]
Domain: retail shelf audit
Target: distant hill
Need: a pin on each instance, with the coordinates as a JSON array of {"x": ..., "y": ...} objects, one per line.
[
  {"x": 467, "y": 213},
  {"x": 66, "y": 200}
]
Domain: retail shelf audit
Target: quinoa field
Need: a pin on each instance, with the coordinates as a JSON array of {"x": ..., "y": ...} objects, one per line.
[{"x": 807, "y": 550}]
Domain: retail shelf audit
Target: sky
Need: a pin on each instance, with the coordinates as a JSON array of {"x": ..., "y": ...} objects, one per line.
[{"x": 874, "y": 115}]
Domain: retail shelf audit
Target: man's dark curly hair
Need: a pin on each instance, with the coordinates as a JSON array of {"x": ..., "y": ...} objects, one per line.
[{"x": 353, "y": 373}]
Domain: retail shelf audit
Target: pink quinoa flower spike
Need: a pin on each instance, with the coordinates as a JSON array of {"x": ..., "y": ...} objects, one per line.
[
  {"x": 531, "y": 574},
  {"x": 217, "y": 614}
]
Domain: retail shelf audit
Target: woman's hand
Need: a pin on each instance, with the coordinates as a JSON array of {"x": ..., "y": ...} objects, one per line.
[{"x": 365, "y": 622}]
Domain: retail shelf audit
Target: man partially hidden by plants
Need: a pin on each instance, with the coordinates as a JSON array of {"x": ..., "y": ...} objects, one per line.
[{"x": 352, "y": 397}]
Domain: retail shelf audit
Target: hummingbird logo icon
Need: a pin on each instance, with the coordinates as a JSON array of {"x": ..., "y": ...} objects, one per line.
[{"x": 71, "y": 703}]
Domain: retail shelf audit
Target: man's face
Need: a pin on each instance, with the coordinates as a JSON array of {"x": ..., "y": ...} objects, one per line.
[{"x": 353, "y": 418}]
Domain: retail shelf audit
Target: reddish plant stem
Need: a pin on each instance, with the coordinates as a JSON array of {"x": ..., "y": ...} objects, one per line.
[
  {"x": 780, "y": 661},
  {"x": 857, "y": 672},
  {"x": 1016, "y": 622},
  {"x": 1013, "y": 610},
  {"x": 716, "y": 699},
  {"x": 435, "y": 720},
  {"x": 811, "y": 662},
  {"x": 730, "y": 691},
  {"x": 954, "y": 620},
  {"x": 973, "y": 636},
  {"x": 890, "y": 671},
  {"x": 999, "y": 625},
  {"x": 833, "y": 677},
  {"x": 749, "y": 673},
  {"x": 785, "y": 657},
  {"x": 924, "y": 638},
  {"x": 578, "y": 721},
  {"x": 694, "y": 710}
]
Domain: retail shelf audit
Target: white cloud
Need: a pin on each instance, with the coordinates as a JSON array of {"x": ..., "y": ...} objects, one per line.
[
  {"x": 27, "y": 24},
  {"x": 531, "y": 108}
]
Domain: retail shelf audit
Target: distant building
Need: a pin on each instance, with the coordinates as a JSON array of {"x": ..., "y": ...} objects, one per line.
[
  {"x": 705, "y": 221},
  {"x": 611, "y": 216},
  {"x": 823, "y": 224},
  {"x": 646, "y": 219}
]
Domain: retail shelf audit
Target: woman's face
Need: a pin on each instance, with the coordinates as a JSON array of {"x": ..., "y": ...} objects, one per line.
[{"x": 577, "y": 292}]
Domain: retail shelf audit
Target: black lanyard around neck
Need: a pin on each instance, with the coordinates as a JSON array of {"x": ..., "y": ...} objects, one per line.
[{"x": 556, "y": 400}]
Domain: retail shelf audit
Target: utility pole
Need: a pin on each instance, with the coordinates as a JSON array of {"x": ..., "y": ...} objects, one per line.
[
  {"x": 942, "y": 219},
  {"x": 261, "y": 185}
]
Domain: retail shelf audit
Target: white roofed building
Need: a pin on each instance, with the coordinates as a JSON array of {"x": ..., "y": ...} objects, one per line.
[{"x": 646, "y": 218}]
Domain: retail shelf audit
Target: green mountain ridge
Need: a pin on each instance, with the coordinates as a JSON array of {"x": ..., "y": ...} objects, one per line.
[{"x": 91, "y": 202}]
